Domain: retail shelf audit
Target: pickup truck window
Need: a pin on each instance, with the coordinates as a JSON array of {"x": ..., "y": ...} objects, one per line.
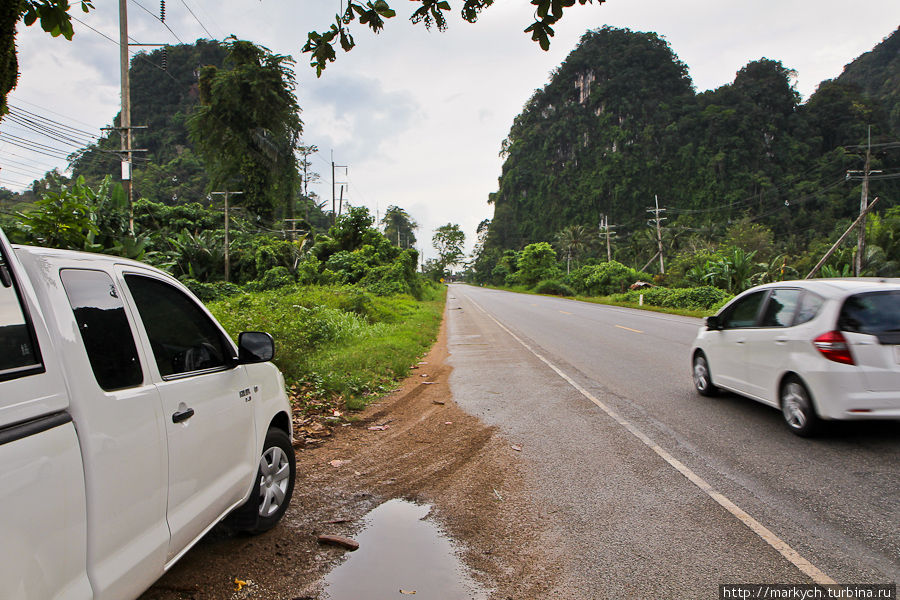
[
  {"x": 104, "y": 328},
  {"x": 184, "y": 339},
  {"x": 19, "y": 355}
]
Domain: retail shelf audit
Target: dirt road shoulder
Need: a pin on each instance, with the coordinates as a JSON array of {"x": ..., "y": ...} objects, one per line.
[{"x": 423, "y": 448}]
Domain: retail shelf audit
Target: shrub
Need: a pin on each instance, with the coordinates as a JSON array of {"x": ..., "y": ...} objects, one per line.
[
  {"x": 553, "y": 288},
  {"x": 606, "y": 278},
  {"x": 274, "y": 278},
  {"x": 699, "y": 298},
  {"x": 210, "y": 292},
  {"x": 537, "y": 262}
]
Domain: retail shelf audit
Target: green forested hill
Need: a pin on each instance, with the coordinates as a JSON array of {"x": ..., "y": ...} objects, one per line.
[
  {"x": 163, "y": 93},
  {"x": 877, "y": 74},
  {"x": 620, "y": 123}
]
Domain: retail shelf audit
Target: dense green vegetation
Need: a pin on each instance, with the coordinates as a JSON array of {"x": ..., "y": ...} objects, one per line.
[
  {"x": 338, "y": 341},
  {"x": 345, "y": 303},
  {"x": 753, "y": 183}
]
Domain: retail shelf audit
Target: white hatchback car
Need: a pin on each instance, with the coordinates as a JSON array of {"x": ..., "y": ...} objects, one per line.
[{"x": 817, "y": 349}]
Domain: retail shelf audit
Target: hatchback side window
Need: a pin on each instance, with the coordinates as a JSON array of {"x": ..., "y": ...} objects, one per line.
[
  {"x": 871, "y": 312},
  {"x": 19, "y": 354},
  {"x": 743, "y": 313},
  {"x": 184, "y": 339},
  {"x": 809, "y": 308},
  {"x": 104, "y": 328},
  {"x": 780, "y": 308}
]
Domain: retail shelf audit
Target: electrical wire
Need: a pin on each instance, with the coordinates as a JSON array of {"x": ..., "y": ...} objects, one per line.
[
  {"x": 198, "y": 20},
  {"x": 158, "y": 19}
]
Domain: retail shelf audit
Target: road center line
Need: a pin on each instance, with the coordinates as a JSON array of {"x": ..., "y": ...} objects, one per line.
[
  {"x": 629, "y": 329},
  {"x": 566, "y": 313},
  {"x": 758, "y": 528}
]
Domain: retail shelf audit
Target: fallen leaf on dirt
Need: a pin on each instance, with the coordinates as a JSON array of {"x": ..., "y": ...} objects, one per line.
[
  {"x": 338, "y": 540},
  {"x": 441, "y": 402},
  {"x": 378, "y": 427},
  {"x": 238, "y": 584},
  {"x": 337, "y": 413},
  {"x": 338, "y": 463},
  {"x": 516, "y": 448}
]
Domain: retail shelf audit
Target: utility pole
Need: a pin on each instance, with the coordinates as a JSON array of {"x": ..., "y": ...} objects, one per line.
[
  {"x": 857, "y": 222},
  {"x": 607, "y": 230},
  {"x": 334, "y": 209},
  {"x": 659, "y": 220},
  {"x": 125, "y": 127},
  {"x": 125, "y": 120},
  {"x": 227, "y": 241},
  {"x": 863, "y": 204}
]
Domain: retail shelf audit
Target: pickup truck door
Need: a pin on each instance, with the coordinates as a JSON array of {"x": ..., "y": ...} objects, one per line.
[
  {"x": 119, "y": 419},
  {"x": 43, "y": 553},
  {"x": 207, "y": 405}
]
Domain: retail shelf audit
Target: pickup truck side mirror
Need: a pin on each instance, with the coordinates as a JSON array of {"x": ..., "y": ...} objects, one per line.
[
  {"x": 713, "y": 323},
  {"x": 255, "y": 347}
]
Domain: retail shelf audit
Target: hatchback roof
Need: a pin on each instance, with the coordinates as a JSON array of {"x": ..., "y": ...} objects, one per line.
[{"x": 841, "y": 286}]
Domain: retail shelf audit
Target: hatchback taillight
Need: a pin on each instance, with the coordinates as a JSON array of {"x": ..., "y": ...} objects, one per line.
[{"x": 834, "y": 346}]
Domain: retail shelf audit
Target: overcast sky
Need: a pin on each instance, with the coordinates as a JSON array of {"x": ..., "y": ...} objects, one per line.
[{"x": 419, "y": 116}]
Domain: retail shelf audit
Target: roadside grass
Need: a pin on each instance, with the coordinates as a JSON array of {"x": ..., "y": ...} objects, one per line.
[
  {"x": 612, "y": 301},
  {"x": 338, "y": 346}
]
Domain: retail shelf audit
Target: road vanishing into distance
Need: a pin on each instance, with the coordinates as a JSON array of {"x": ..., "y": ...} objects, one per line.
[{"x": 651, "y": 490}]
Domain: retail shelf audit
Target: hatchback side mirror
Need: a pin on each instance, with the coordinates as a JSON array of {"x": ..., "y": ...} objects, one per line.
[
  {"x": 713, "y": 323},
  {"x": 255, "y": 347}
]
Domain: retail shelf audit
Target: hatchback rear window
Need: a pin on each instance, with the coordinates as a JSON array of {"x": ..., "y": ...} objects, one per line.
[{"x": 872, "y": 312}]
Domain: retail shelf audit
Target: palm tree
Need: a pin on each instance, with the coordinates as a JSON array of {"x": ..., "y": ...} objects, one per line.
[{"x": 573, "y": 241}]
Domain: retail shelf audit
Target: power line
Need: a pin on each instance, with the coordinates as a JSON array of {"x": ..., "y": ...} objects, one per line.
[
  {"x": 158, "y": 19},
  {"x": 198, "y": 20},
  {"x": 139, "y": 55}
]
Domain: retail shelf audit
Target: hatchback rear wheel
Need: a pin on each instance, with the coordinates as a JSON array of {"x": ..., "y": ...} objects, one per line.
[{"x": 797, "y": 407}]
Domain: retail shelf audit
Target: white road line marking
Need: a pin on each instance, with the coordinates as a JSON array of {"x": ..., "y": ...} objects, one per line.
[
  {"x": 629, "y": 329},
  {"x": 758, "y": 528}
]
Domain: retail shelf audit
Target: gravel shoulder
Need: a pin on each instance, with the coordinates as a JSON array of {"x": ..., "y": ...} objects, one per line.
[{"x": 430, "y": 451}]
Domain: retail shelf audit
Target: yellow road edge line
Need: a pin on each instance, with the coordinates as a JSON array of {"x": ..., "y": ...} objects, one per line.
[
  {"x": 782, "y": 547},
  {"x": 629, "y": 329},
  {"x": 566, "y": 313}
]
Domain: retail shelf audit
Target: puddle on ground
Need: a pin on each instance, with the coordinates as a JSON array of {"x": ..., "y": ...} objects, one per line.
[{"x": 401, "y": 552}]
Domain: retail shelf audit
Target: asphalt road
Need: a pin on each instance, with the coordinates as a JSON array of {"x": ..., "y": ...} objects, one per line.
[{"x": 649, "y": 489}]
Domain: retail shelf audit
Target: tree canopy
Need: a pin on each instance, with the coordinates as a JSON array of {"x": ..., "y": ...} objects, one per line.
[
  {"x": 321, "y": 46},
  {"x": 247, "y": 127}
]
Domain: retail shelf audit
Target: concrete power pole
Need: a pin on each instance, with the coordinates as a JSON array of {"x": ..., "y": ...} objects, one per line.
[
  {"x": 607, "y": 231},
  {"x": 658, "y": 219},
  {"x": 227, "y": 241},
  {"x": 125, "y": 120},
  {"x": 335, "y": 210},
  {"x": 863, "y": 204}
]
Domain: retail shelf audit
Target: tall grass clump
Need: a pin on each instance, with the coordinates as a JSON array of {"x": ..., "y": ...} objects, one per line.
[{"x": 338, "y": 342}]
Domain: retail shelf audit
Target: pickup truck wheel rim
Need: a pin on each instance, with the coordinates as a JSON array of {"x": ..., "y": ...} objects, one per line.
[{"x": 274, "y": 475}]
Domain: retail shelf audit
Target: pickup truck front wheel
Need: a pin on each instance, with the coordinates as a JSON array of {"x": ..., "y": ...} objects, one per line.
[{"x": 273, "y": 488}]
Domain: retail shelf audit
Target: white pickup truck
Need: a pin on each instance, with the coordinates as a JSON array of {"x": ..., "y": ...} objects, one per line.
[{"x": 130, "y": 425}]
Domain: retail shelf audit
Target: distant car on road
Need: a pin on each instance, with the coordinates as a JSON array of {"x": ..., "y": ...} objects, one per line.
[{"x": 823, "y": 349}]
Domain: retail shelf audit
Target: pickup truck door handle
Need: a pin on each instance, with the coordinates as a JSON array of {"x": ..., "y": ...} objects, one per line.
[{"x": 182, "y": 415}]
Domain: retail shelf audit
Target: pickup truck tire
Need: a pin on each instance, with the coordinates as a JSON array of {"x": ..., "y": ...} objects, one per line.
[{"x": 273, "y": 488}]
